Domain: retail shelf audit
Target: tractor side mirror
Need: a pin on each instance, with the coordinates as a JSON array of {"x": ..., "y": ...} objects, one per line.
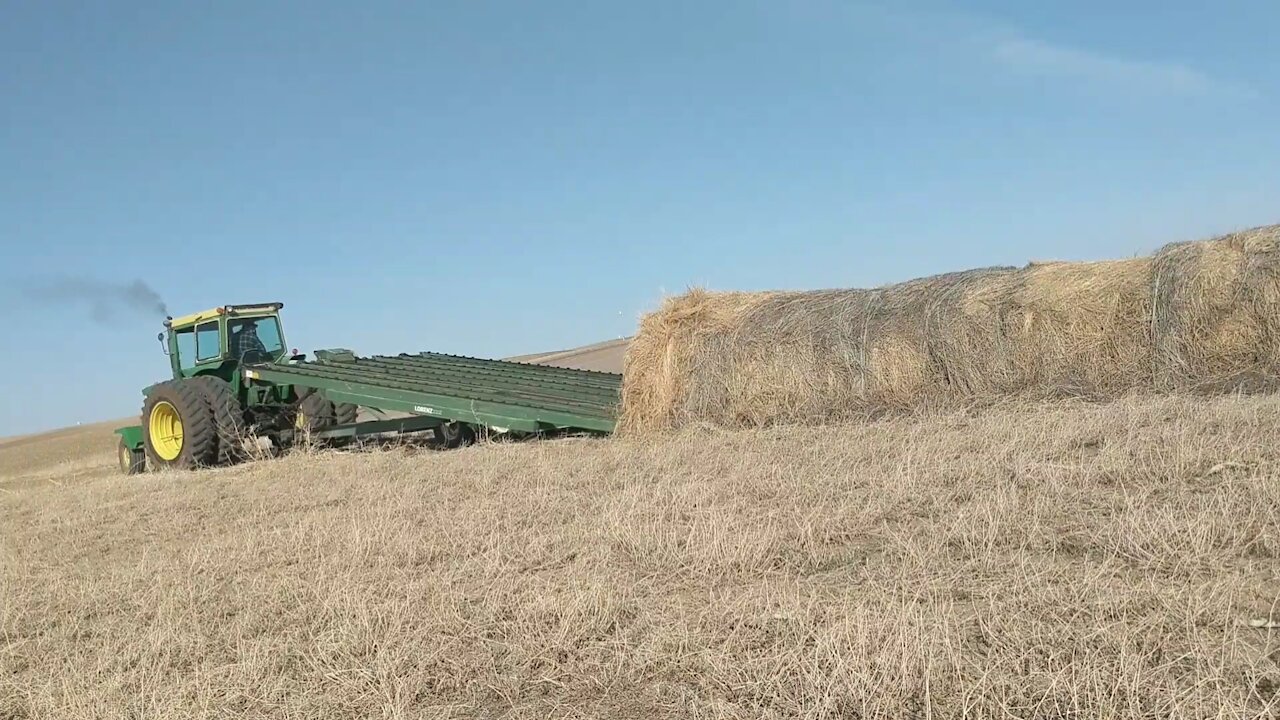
[{"x": 163, "y": 346}]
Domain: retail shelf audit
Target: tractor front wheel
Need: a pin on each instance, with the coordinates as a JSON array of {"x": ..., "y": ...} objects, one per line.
[
  {"x": 178, "y": 427},
  {"x": 132, "y": 460}
]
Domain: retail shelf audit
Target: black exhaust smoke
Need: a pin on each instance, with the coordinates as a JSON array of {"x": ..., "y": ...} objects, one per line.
[{"x": 104, "y": 300}]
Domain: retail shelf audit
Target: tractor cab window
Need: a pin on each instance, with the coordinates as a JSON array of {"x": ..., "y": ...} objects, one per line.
[
  {"x": 198, "y": 344},
  {"x": 208, "y": 342},
  {"x": 255, "y": 339},
  {"x": 186, "y": 342}
]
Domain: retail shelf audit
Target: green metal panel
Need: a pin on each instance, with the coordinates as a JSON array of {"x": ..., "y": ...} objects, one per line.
[
  {"x": 495, "y": 393},
  {"x": 132, "y": 435}
]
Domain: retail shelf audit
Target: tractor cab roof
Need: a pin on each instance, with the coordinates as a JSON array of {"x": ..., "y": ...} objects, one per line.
[{"x": 214, "y": 313}]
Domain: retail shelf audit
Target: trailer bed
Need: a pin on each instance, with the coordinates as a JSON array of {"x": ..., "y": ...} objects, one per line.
[{"x": 495, "y": 393}]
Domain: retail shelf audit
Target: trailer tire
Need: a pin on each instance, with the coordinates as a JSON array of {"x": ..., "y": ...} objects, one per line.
[
  {"x": 178, "y": 428},
  {"x": 452, "y": 435},
  {"x": 228, "y": 416},
  {"x": 345, "y": 413},
  {"x": 313, "y": 412}
]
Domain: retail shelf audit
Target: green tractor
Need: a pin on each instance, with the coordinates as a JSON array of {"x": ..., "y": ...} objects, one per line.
[
  {"x": 204, "y": 415},
  {"x": 236, "y": 390}
]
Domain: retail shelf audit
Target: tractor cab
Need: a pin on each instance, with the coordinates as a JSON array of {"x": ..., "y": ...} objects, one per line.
[
  {"x": 201, "y": 415},
  {"x": 220, "y": 340}
]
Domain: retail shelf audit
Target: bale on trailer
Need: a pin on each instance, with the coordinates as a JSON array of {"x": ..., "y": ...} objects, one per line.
[{"x": 1188, "y": 317}]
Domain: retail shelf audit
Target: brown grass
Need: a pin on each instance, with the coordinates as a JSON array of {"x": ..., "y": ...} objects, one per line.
[
  {"x": 1067, "y": 560},
  {"x": 1202, "y": 316},
  {"x": 29, "y": 456}
]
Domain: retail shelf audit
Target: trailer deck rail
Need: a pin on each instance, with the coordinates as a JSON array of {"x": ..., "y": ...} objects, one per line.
[{"x": 495, "y": 393}]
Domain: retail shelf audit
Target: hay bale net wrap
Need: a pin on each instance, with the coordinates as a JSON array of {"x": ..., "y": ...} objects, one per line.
[{"x": 1193, "y": 315}]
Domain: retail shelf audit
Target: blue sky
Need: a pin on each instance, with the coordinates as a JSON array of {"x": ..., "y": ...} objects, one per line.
[{"x": 499, "y": 178}]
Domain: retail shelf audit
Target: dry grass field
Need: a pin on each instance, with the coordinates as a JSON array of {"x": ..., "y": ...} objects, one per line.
[
  {"x": 1067, "y": 560},
  {"x": 58, "y": 456}
]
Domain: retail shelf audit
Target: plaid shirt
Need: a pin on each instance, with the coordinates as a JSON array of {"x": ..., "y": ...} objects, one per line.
[{"x": 246, "y": 341}]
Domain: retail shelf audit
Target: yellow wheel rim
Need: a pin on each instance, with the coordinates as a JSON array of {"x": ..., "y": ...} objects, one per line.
[
  {"x": 126, "y": 461},
  {"x": 166, "y": 430},
  {"x": 300, "y": 421}
]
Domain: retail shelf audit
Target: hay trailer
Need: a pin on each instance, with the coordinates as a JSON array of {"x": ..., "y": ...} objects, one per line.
[{"x": 235, "y": 391}]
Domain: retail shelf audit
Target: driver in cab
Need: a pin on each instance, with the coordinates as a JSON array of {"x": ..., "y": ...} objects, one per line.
[{"x": 246, "y": 342}]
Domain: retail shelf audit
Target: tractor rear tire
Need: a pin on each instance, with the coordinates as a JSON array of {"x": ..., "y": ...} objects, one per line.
[
  {"x": 178, "y": 429},
  {"x": 228, "y": 416},
  {"x": 132, "y": 460}
]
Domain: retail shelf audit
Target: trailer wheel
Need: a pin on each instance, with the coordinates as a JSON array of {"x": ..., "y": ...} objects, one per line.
[
  {"x": 132, "y": 461},
  {"x": 314, "y": 412},
  {"x": 178, "y": 428},
  {"x": 345, "y": 413},
  {"x": 228, "y": 416},
  {"x": 451, "y": 435}
]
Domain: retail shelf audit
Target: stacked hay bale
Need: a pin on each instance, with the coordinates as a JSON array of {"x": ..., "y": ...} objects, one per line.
[
  {"x": 1216, "y": 316},
  {"x": 1193, "y": 316}
]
